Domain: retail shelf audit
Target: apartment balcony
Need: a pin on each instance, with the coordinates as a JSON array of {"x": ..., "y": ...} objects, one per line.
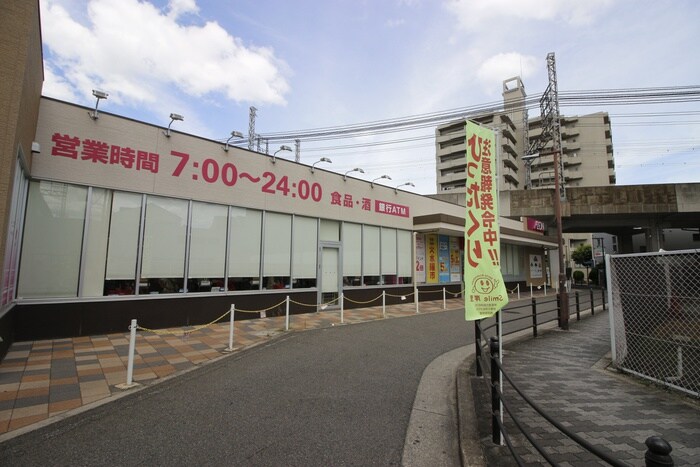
[
  {"x": 508, "y": 149},
  {"x": 453, "y": 178},
  {"x": 451, "y": 164},
  {"x": 511, "y": 180},
  {"x": 509, "y": 135},
  {"x": 572, "y": 162},
  {"x": 568, "y": 133},
  {"x": 507, "y": 120},
  {"x": 452, "y": 187},
  {"x": 542, "y": 162},
  {"x": 450, "y": 138},
  {"x": 452, "y": 146},
  {"x": 508, "y": 162}
]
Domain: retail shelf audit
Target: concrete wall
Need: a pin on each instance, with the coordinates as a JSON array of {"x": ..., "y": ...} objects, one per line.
[{"x": 21, "y": 78}]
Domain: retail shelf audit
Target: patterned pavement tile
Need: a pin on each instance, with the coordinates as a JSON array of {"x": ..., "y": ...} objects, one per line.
[{"x": 44, "y": 378}]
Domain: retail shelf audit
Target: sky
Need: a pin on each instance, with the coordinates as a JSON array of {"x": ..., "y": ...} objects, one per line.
[{"x": 314, "y": 64}]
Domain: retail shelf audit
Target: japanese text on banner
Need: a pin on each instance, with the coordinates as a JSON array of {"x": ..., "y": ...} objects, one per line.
[{"x": 485, "y": 292}]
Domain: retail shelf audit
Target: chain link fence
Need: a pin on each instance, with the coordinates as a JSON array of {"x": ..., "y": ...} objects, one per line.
[{"x": 655, "y": 316}]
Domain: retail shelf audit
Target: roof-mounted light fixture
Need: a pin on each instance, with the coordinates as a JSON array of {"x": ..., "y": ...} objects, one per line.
[
  {"x": 282, "y": 148},
  {"x": 379, "y": 178},
  {"x": 356, "y": 169},
  {"x": 323, "y": 159},
  {"x": 99, "y": 95},
  {"x": 396, "y": 189},
  {"x": 173, "y": 117},
  {"x": 234, "y": 134}
]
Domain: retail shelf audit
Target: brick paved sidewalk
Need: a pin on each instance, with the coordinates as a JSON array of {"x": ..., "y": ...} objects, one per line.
[
  {"x": 42, "y": 379},
  {"x": 567, "y": 374}
]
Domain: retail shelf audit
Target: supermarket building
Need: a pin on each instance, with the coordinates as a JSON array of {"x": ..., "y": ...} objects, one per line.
[{"x": 108, "y": 219}]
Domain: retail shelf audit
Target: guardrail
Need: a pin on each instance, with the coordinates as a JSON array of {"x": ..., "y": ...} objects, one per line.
[{"x": 658, "y": 449}]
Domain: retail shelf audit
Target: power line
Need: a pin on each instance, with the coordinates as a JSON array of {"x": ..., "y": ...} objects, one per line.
[{"x": 631, "y": 96}]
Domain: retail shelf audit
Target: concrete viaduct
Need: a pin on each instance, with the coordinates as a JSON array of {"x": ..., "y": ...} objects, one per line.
[{"x": 617, "y": 210}]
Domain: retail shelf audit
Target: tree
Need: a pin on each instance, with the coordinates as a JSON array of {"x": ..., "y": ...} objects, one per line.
[{"x": 583, "y": 255}]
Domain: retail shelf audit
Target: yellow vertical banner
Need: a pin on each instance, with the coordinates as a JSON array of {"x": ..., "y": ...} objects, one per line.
[
  {"x": 485, "y": 292},
  {"x": 431, "y": 250}
]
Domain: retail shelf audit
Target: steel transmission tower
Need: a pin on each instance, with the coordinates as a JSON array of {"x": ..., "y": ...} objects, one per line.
[
  {"x": 251, "y": 128},
  {"x": 551, "y": 128}
]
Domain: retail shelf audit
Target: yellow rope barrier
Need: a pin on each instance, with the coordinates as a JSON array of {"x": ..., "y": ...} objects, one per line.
[
  {"x": 183, "y": 332},
  {"x": 399, "y": 296},
  {"x": 260, "y": 311},
  {"x": 454, "y": 294},
  {"x": 314, "y": 305},
  {"x": 362, "y": 303}
]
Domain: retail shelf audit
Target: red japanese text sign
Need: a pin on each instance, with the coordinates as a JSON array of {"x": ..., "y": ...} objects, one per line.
[{"x": 485, "y": 292}]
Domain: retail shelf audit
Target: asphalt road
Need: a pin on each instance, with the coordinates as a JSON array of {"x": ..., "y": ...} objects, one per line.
[{"x": 336, "y": 396}]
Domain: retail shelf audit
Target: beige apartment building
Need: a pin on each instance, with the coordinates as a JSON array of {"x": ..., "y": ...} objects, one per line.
[
  {"x": 586, "y": 142},
  {"x": 587, "y": 151}
]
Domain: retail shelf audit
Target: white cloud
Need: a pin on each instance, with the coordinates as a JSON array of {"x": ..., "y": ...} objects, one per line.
[
  {"x": 139, "y": 53},
  {"x": 474, "y": 15},
  {"x": 179, "y": 7},
  {"x": 395, "y": 23},
  {"x": 504, "y": 66}
]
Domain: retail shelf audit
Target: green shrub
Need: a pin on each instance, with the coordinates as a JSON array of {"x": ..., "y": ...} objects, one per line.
[
  {"x": 593, "y": 276},
  {"x": 578, "y": 276}
]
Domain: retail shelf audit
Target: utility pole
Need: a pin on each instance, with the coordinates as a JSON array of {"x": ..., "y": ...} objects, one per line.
[
  {"x": 552, "y": 95},
  {"x": 551, "y": 132}
]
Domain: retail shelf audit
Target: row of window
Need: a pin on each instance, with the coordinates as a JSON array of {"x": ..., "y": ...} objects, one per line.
[{"x": 91, "y": 242}]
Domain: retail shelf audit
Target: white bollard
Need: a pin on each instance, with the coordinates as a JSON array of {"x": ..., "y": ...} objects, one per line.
[
  {"x": 518, "y": 290},
  {"x": 384, "y": 303},
  {"x": 286, "y": 320},
  {"x": 444, "y": 299},
  {"x": 130, "y": 364},
  {"x": 416, "y": 300},
  {"x": 232, "y": 317},
  {"x": 545, "y": 289},
  {"x": 341, "y": 308},
  {"x": 132, "y": 350}
]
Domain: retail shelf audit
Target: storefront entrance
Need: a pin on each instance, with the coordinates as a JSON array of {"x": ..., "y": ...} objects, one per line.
[{"x": 330, "y": 277}]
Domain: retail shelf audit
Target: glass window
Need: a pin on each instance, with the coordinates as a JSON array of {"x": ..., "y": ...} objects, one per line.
[
  {"x": 370, "y": 255},
  {"x": 388, "y": 256},
  {"x": 244, "y": 249},
  {"x": 277, "y": 250},
  {"x": 305, "y": 252},
  {"x": 511, "y": 256},
  {"x": 352, "y": 254},
  {"x": 52, "y": 242},
  {"x": 405, "y": 256},
  {"x": 122, "y": 250},
  {"x": 207, "y": 248},
  {"x": 14, "y": 229},
  {"x": 96, "y": 245},
  {"x": 163, "y": 260},
  {"x": 330, "y": 230}
]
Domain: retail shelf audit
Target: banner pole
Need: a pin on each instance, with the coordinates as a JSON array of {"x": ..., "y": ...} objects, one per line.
[{"x": 500, "y": 358}]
